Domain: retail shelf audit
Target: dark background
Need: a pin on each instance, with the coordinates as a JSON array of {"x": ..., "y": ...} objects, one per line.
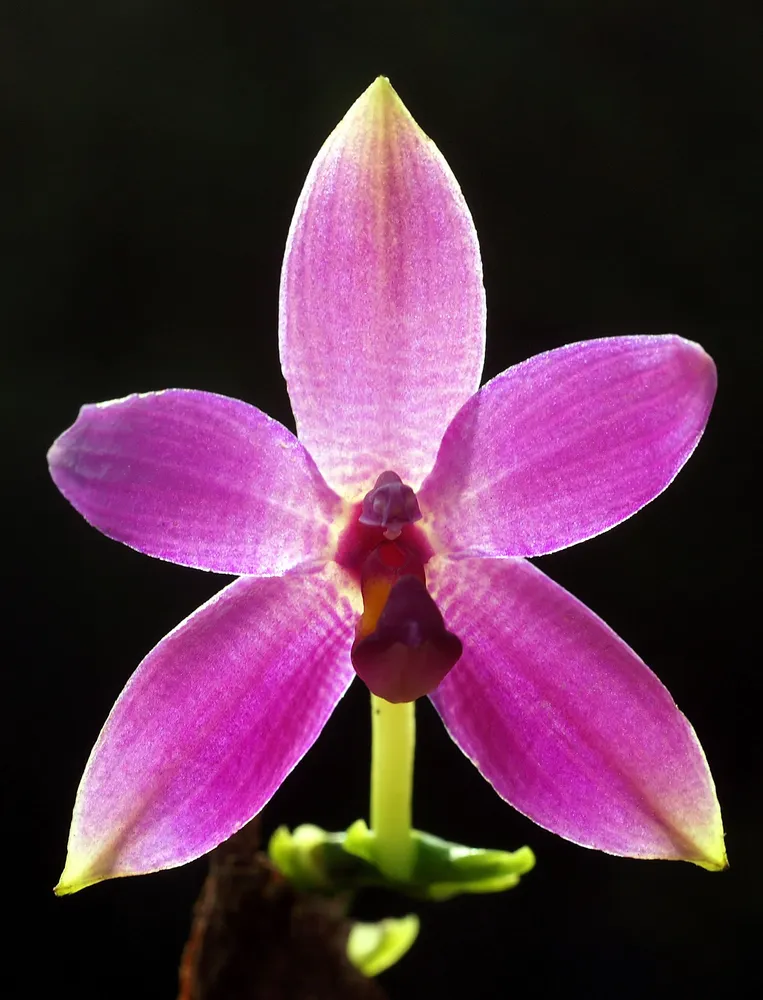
[{"x": 611, "y": 156}]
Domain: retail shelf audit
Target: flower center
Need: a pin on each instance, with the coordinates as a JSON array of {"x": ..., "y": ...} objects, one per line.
[{"x": 402, "y": 649}]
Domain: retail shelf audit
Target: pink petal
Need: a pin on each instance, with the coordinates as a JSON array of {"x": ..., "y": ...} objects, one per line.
[
  {"x": 567, "y": 444},
  {"x": 197, "y": 479},
  {"x": 210, "y": 724},
  {"x": 566, "y": 722},
  {"x": 382, "y": 325}
]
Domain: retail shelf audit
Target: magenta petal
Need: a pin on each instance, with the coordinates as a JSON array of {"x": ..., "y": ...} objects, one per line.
[
  {"x": 197, "y": 479},
  {"x": 567, "y": 444},
  {"x": 382, "y": 321},
  {"x": 210, "y": 724},
  {"x": 566, "y": 722}
]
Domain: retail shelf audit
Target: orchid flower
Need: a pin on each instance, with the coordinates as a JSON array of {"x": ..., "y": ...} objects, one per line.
[{"x": 389, "y": 538}]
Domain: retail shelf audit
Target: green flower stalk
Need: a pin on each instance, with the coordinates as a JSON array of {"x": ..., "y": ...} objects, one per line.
[{"x": 393, "y": 730}]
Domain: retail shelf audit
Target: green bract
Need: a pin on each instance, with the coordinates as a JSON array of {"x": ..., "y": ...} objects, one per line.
[{"x": 318, "y": 861}]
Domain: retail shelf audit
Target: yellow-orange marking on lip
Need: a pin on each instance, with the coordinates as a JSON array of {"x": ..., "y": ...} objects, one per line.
[
  {"x": 375, "y": 594},
  {"x": 383, "y": 568}
]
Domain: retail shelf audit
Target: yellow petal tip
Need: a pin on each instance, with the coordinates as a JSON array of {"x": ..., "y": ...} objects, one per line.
[
  {"x": 716, "y": 863},
  {"x": 76, "y": 876},
  {"x": 381, "y": 87},
  {"x": 66, "y": 887},
  {"x": 379, "y": 106},
  {"x": 711, "y": 851}
]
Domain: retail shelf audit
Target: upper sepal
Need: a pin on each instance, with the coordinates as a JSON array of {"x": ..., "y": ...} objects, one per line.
[{"x": 382, "y": 310}]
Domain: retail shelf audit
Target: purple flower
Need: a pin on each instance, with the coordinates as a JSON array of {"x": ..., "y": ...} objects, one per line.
[{"x": 418, "y": 580}]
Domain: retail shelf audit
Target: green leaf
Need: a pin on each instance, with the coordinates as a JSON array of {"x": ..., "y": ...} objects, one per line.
[{"x": 372, "y": 948}]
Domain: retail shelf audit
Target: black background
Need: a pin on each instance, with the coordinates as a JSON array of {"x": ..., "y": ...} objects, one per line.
[{"x": 611, "y": 155}]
